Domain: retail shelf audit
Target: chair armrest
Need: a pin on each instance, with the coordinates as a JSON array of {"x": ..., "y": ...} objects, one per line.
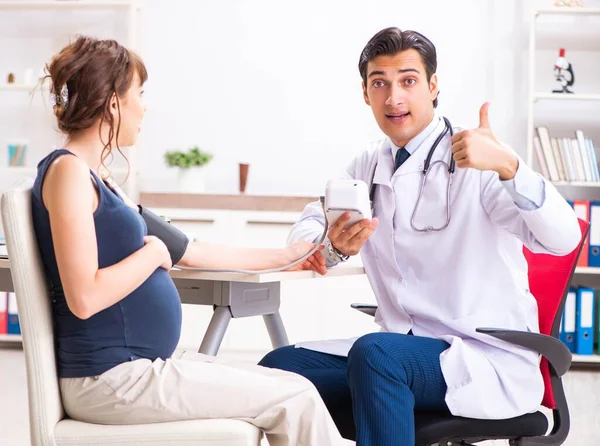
[
  {"x": 557, "y": 353},
  {"x": 369, "y": 309}
]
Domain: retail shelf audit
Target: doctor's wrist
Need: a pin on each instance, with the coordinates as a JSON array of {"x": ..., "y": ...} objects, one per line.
[
  {"x": 509, "y": 167},
  {"x": 334, "y": 254}
]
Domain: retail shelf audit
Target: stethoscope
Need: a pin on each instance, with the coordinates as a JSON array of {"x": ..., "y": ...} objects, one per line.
[{"x": 426, "y": 171}]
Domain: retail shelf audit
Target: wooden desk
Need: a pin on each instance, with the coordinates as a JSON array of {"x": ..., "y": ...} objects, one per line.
[{"x": 232, "y": 296}]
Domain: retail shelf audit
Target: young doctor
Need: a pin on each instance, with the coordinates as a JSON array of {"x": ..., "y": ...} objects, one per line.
[
  {"x": 116, "y": 311},
  {"x": 443, "y": 254}
]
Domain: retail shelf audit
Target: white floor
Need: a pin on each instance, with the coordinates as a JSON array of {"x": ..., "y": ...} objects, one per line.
[{"x": 14, "y": 425}]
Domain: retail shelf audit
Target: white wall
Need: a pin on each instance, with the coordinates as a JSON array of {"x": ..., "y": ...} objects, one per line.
[{"x": 276, "y": 83}]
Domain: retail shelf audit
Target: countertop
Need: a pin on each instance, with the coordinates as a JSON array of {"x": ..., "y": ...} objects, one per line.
[{"x": 239, "y": 202}]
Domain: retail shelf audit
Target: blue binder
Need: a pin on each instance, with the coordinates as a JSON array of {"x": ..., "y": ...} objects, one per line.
[
  {"x": 584, "y": 336},
  {"x": 594, "y": 257},
  {"x": 13, "y": 326},
  {"x": 569, "y": 321}
]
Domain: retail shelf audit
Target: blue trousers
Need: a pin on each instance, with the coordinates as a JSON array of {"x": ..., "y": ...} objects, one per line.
[{"x": 372, "y": 394}]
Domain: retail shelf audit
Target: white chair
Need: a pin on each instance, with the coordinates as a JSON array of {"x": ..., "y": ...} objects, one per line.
[{"x": 48, "y": 424}]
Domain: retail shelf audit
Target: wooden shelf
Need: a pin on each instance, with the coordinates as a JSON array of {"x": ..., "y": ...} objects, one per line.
[
  {"x": 574, "y": 11},
  {"x": 239, "y": 202},
  {"x": 18, "y": 170},
  {"x": 17, "y": 87},
  {"x": 586, "y": 359},
  {"x": 576, "y": 184},
  {"x": 566, "y": 97},
  {"x": 10, "y": 338},
  {"x": 587, "y": 270},
  {"x": 65, "y": 4}
]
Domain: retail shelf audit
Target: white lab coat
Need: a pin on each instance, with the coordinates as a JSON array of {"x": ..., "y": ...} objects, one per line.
[{"x": 472, "y": 274}]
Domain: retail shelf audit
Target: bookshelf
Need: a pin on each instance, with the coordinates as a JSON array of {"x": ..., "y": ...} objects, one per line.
[
  {"x": 576, "y": 29},
  {"x": 565, "y": 97},
  {"x": 587, "y": 270},
  {"x": 576, "y": 184},
  {"x": 11, "y": 338},
  {"x": 553, "y": 145},
  {"x": 25, "y": 102},
  {"x": 574, "y": 11},
  {"x": 563, "y": 129},
  {"x": 585, "y": 361},
  {"x": 64, "y": 4},
  {"x": 23, "y": 170},
  {"x": 17, "y": 87}
]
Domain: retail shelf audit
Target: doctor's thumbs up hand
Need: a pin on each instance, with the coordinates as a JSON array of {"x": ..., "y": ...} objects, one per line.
[
  {"x": 349, "y": 241},
  {"x": 479, "y": 149}
]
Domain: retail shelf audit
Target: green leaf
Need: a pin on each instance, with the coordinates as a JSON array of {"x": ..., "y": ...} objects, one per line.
[{"x": 194, "y": 157}]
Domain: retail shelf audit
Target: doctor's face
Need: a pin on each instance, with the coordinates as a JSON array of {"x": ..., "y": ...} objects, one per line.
[{"x": 400, "y": 95}]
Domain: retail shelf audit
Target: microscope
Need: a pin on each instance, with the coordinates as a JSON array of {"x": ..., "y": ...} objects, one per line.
[{"x": 563, "y": 71}]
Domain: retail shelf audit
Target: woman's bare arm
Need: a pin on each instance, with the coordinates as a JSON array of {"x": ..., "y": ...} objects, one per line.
[{"x": 70, "y": 197}]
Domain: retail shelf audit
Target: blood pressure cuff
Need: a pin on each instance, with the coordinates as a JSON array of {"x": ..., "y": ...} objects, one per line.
[{"x": 175, "y": 240}]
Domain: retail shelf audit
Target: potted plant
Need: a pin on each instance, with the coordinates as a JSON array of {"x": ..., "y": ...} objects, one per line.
[{"x": 190, "y": 175}]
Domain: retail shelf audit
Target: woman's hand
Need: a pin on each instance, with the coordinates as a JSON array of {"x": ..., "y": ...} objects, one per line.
[
  {"x": 160, "y": 250},
  {"x": 316, "y": 262}
]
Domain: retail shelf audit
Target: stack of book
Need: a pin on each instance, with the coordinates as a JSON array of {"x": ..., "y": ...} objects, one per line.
[{"x": 566, "y": 159}]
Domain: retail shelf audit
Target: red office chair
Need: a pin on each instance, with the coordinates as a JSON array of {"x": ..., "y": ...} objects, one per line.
[{"x": 549, "y": 280}]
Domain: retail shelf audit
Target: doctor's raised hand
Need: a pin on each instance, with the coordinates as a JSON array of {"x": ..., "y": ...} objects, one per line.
[
  {"x": 349, "y": 241},
  {"x": 479, "y": 149}
]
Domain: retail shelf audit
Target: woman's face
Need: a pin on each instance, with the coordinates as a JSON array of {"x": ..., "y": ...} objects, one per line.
[{"x": 132, "y": 113}]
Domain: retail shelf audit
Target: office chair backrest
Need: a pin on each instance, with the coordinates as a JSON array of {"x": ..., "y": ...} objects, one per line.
[
  {"x": 549, "y": 280},
  {"x": 35, "y": 313}
]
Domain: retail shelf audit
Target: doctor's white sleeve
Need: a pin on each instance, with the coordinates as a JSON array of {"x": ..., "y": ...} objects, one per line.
[
  {"x": 311, "y": 224},
  {"x": 527, "y": 191},
  {"x": 549, "y": 226}
]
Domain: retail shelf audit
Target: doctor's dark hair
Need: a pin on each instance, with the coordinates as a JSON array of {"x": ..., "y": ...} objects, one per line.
[
  {"x": 93, "y": 70},
  {"x": 390, "y": 41}
]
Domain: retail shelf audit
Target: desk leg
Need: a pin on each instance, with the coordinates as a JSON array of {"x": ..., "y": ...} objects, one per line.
[
  {"x": 215, "y": 331},
  {"x": 276, "y": 330},
  {"x": 254, "y": 299},
  {"x": 235, "y": 300}
]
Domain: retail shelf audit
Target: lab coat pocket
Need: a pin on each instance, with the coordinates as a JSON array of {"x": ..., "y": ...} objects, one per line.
[
  {"x": 503, "y": 318},
  {"x": 481, "y": 318}
]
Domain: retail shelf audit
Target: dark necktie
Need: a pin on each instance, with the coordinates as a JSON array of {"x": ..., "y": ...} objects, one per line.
[{"x": 401, "y": 156}]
